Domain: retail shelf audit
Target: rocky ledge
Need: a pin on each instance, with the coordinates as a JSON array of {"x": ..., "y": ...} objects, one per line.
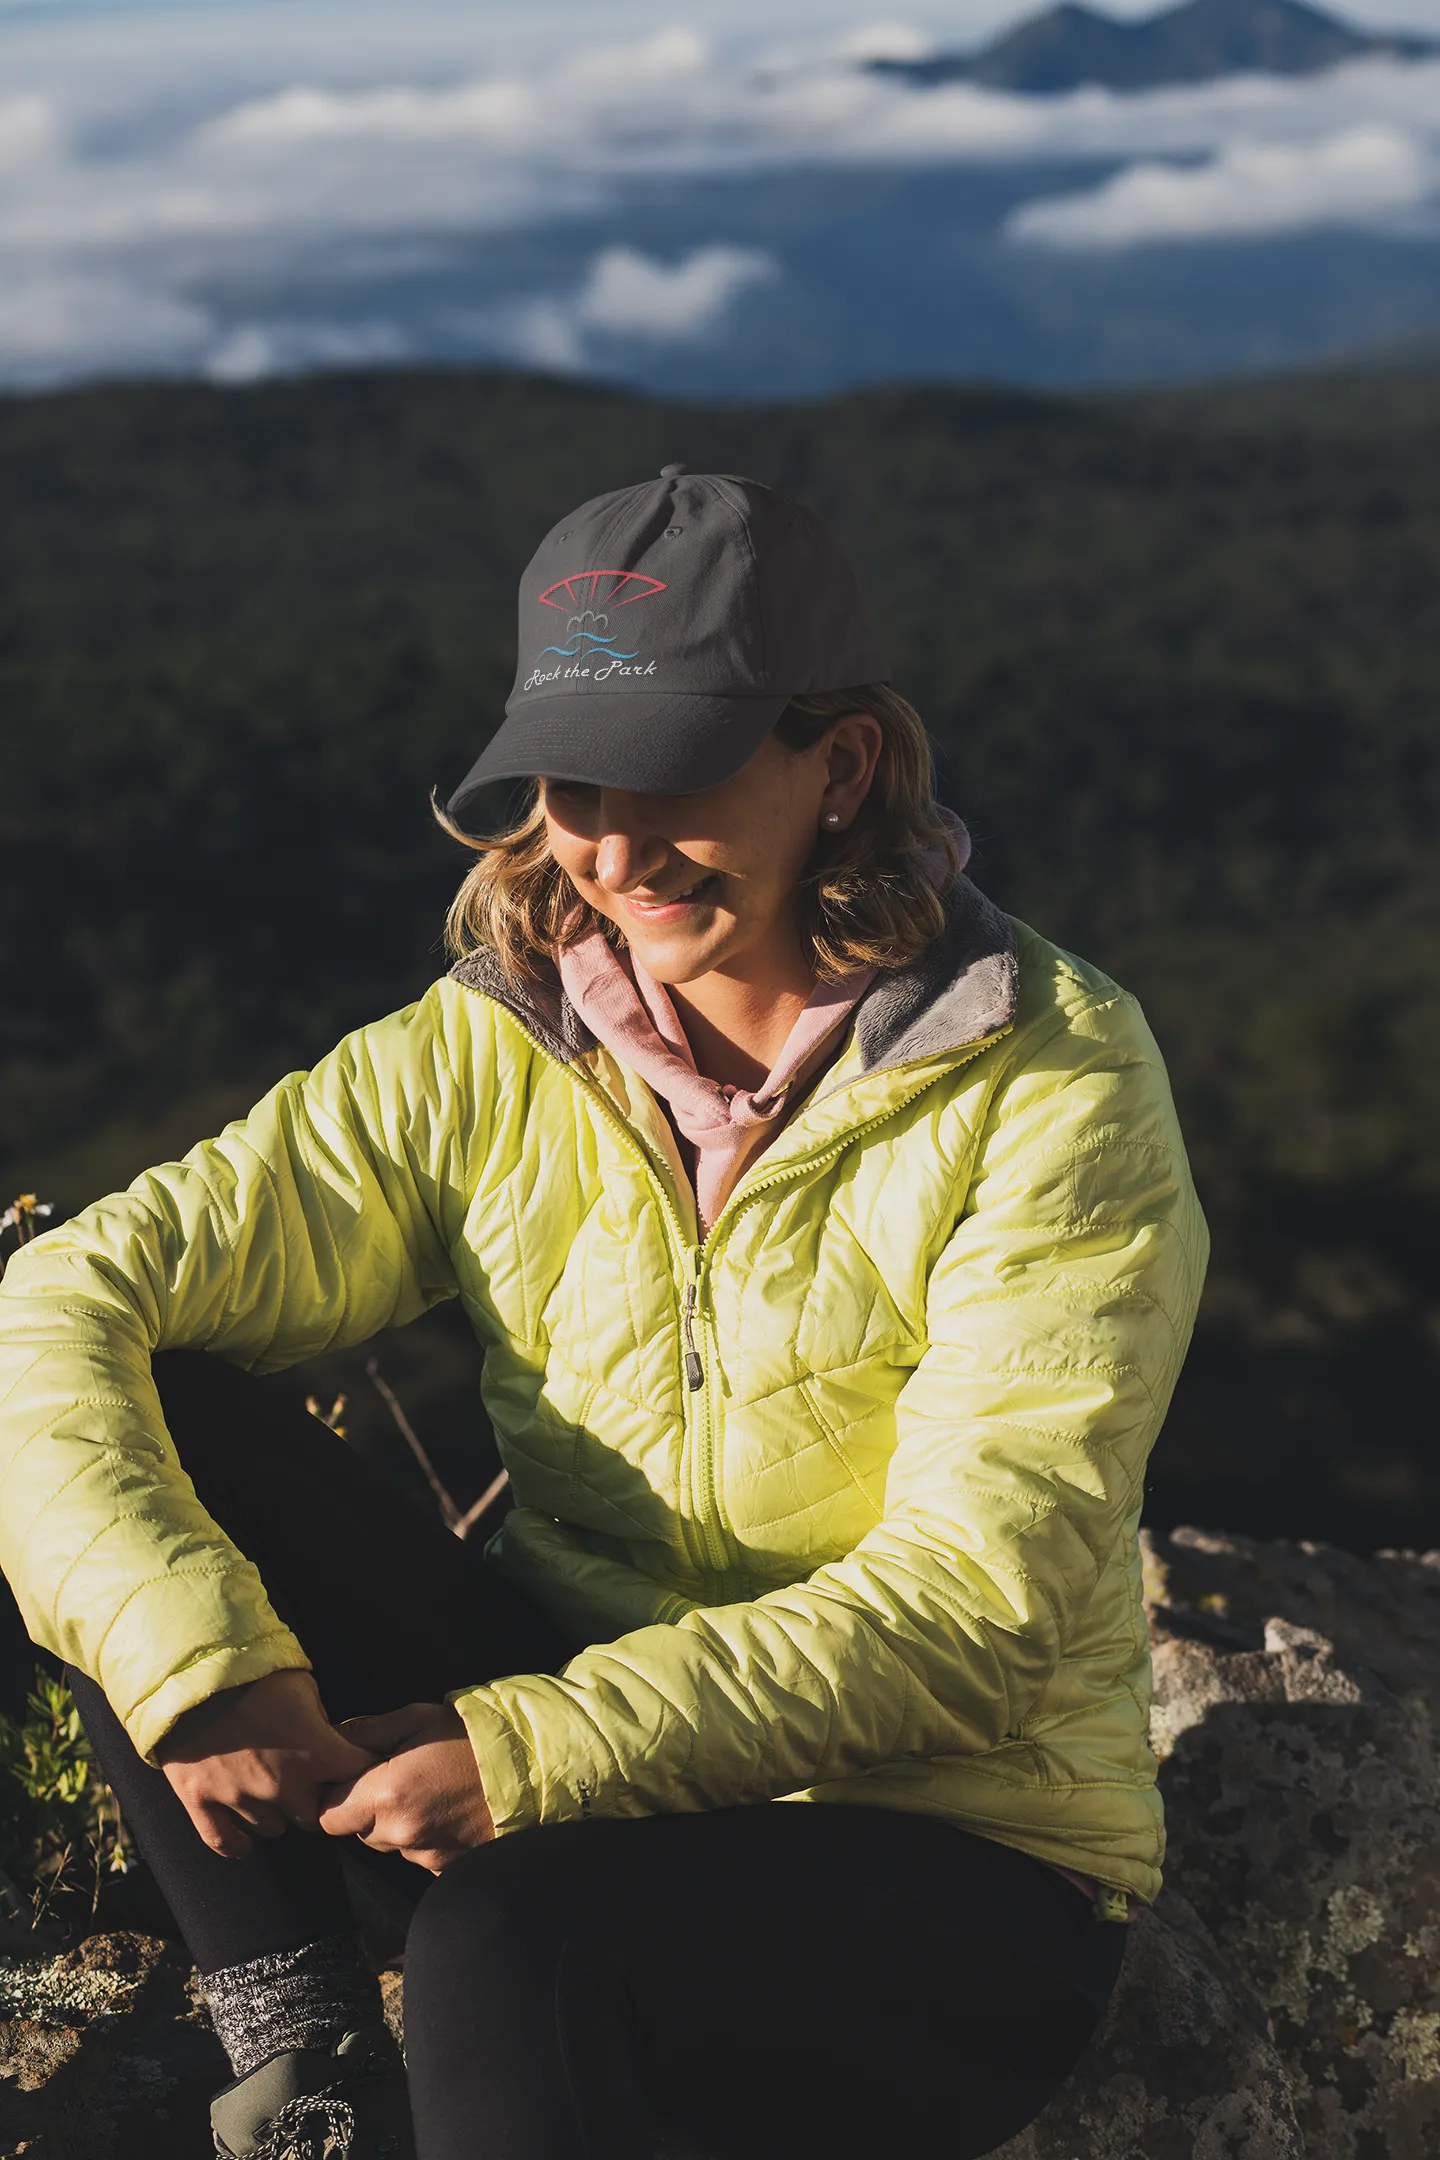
[{"x": 1281, "y": 2000}]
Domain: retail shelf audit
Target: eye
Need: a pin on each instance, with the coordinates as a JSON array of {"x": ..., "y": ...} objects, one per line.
[{"x": 569, "y": 791}]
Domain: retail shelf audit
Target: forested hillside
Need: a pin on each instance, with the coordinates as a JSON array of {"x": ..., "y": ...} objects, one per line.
[{"x": 1180, "y": 652}]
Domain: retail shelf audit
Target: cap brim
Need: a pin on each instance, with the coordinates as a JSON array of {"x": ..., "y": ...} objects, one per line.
[{"x": 660, "y": 742}]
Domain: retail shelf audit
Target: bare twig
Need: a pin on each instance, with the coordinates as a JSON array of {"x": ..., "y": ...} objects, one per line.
[
  {"x": 460, "y": 1525},
  {"x": 487, "y": 1499},
  {"x": 450, "y": 1513},
  {"x": 45, "y": 1892}
]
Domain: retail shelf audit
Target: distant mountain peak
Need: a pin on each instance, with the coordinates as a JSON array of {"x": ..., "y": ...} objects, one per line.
[{"x": 1071, "y": 45}]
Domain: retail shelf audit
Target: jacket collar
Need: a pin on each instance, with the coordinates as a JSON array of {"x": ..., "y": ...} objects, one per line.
[{"x": 960, "y": 990}]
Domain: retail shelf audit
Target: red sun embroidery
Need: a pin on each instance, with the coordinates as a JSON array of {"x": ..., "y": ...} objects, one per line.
[{"x": 592, "y": 588}]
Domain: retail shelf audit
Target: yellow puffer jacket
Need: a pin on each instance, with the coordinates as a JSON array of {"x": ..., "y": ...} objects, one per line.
[{"x": 844, "y": 1497}]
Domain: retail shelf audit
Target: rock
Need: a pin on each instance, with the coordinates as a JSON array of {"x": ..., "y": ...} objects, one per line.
[
  {"x": 106, "y": 2053},
  {"x": 1283, "y": 1997},
  {"x": 1183, "y": 2067},
  {"x": 392, "y": 1998},
  {"x": 1382, "y": 1613},
  {"x": 1297, "y": 1689}
]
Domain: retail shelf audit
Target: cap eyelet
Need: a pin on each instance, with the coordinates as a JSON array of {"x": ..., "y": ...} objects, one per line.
[{"x": 673, "y": 532}]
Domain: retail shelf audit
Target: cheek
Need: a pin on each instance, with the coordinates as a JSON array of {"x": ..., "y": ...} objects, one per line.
[
  {"x": 575, "y": 856},
  {"x": 777, "y": 846}
]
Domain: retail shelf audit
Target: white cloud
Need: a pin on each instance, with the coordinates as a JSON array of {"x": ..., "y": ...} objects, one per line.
[
  {"x": 656, "y": 61},
  {"x": 886, "y": 41},
  {"x": 537, "y": 333},
  {"x": 1248, "y": 191},
  {"x": 56, "y": 326},
  {"x": 29, "y": 132},
  {"x": 248, "y": 352},
  {"x": 629, "y": 295},
  {"x": 497, "y": 111}
]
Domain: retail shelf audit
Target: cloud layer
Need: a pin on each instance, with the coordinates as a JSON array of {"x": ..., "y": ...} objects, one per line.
[
  {"x": 244, "y": 223},
  {"x": 1247, "y": 191}
]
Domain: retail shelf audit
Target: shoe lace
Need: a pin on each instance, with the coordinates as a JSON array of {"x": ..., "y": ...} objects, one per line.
[{"x": 314, "y": 2126}]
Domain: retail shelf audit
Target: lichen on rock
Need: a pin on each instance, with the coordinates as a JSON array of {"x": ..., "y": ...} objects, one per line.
[{"x": 105, "y": 2054}]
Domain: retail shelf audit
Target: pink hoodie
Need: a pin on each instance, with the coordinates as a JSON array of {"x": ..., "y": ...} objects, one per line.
[{"x": 726, "y": 1127}]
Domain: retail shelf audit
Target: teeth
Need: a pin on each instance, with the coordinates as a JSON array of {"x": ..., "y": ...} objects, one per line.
[{"x": 671, "y": 898}]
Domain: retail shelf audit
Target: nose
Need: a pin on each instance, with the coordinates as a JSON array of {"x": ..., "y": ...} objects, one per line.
[{"x": 626, "y": 854}]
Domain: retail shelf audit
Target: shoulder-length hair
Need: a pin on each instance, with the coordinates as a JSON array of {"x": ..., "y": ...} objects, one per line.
[{"x": 871, "y": 896}]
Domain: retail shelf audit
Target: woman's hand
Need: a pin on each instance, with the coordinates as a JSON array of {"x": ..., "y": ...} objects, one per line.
[
  {"x": 425, "y": 1800},
  {"x": 257, "y": 1755}
]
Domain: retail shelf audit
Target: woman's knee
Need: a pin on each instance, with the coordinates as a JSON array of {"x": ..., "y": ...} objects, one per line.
[{"x": 493, "y": 1910}]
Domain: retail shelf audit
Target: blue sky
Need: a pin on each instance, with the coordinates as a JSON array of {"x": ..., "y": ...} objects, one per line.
[{"x": 235, "y": 189}]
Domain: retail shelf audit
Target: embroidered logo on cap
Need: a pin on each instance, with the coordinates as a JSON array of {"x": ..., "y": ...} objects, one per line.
[{"x": 591, "y": 648}]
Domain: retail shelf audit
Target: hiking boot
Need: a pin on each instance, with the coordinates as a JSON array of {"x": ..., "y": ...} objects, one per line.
[{"x": 349, "y": 2102}]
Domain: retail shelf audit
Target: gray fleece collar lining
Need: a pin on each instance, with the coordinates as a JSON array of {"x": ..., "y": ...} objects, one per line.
[{"x": 960, "y": 990}]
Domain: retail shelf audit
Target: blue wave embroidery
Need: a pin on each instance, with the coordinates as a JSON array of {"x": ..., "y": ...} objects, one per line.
[{"x": 586, "y": 643}]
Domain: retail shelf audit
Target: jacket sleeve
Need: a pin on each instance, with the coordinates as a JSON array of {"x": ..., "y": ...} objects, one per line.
[
  {"x": 1058, "y": 1317},
  {"x": 309, "y": 1225}
]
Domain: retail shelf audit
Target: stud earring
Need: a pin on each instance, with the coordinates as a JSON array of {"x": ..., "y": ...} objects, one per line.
[{"x": 831, "y": 820}]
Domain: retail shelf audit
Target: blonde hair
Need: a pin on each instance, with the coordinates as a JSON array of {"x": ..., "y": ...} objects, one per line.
[{"x": 869, "y": 897}]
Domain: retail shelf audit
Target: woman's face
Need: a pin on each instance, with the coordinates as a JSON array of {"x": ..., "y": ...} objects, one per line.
[{"x": 708, "y": 881}]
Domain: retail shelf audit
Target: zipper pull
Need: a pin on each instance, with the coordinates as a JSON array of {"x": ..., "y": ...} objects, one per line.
[{"x": 694, "y": 1370}]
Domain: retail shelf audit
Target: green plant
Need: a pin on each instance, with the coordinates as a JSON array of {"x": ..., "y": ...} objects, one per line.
[
  {"x": 60, "y": 1825},
  {"x": 56, "y": 1812}
]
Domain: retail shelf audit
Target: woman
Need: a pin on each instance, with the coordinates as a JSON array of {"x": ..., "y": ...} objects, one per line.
[{"x": 833, "y": 1251}]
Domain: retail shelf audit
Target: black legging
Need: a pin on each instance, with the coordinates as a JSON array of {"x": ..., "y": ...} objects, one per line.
[{"x": 777, "y": 1981}]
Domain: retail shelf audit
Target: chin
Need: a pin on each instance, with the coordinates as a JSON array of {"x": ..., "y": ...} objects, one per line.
[{"x": 678, "y": 960}]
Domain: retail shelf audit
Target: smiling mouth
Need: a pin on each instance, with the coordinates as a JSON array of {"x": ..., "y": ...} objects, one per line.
[{"x": 703, "y": 889}]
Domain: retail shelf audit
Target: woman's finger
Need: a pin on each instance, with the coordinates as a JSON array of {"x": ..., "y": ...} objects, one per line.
[
  {"x": 434, "y": 1859},
  {"x": 379, "y": 1840},
  {"x": 221, "y": 1831},
  {"x": 387, "y": 1730},
  {"x": 269, "y": 1822},
  {"x": 268, "y": 1818},
  {"x": 349, "y": 1811}
]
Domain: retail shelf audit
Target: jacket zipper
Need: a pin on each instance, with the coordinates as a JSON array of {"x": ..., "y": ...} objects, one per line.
[
  {"x": 694, "y": 1370},
  {"x": 705, "y": 1488},
  {"x": 704, "y": 1477}
]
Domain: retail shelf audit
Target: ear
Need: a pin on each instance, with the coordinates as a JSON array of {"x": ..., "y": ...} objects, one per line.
[{"x": 851, "y": 759}]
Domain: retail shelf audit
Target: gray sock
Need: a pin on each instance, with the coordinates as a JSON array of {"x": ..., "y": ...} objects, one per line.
[{"x": 291, "y": 1999}]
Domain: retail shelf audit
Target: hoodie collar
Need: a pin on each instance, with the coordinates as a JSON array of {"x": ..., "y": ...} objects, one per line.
[{"x": 961, "y": 989}]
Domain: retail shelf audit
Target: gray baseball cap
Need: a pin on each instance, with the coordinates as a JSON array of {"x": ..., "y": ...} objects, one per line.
[{"x": 663, "y": 631}]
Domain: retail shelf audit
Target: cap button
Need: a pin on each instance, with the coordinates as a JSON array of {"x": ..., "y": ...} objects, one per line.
[{"x": 673, "y": 472}]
